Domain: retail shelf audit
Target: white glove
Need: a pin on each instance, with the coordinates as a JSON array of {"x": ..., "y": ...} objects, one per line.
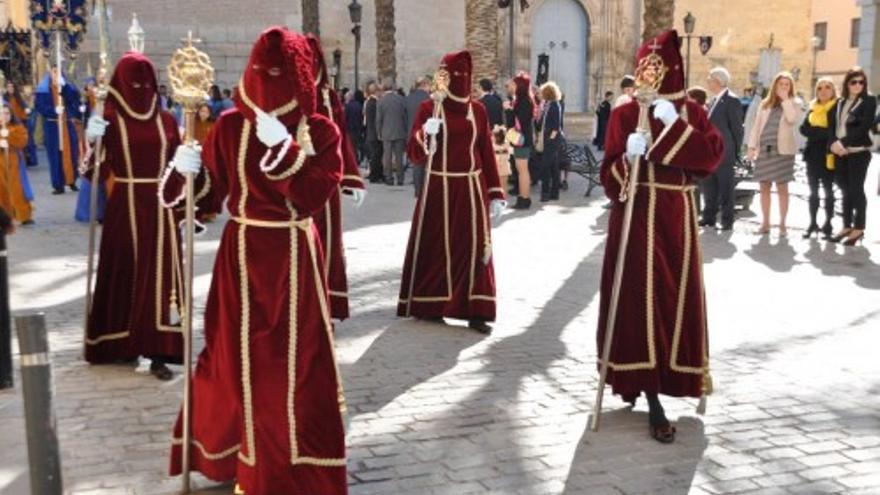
[
  {"x": 59, "y": 109},
  {"x": 188, "y": 159},
  {"x": 636, "y": 145},
  {"x": 496, "y": 207},
  {"x": 4, "y": 133},
  {"x": 96, "y": 128},
  {"x": 664, "y": 111},
  {"x": 270, "y": 130},
  {"x": 356, "y": 195},
  {"x": 432, "y": 126},
  {"x": 27, "y": 111},
  {"x": 82, "y": 109},
  {"x": 4, "y": 144}
]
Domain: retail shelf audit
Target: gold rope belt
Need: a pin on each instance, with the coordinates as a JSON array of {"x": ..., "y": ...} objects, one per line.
[
  {"x": 473, "y": 173},
  {"x": 136, "y": 180},
  {"x": 303, "y": 224},
  {"x": 669, "y": 187}
]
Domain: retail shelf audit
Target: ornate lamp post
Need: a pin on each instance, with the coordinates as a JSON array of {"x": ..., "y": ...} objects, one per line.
[
  {"x": 689, "y": 22},
  {"x": 335, "y": 69},
  {"x": 354, "y": 13},
  {"x": 816, "y": 44},
  {"x": 136, "y": 35}
]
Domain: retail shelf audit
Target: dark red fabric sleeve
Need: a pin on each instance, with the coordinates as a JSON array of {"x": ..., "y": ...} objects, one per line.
[
  {"x": 486, "y": 151},
  {"x": 415, "y": 147},
  {"x": 309, "y": 185},
  {"x": 695, "y": 146}
]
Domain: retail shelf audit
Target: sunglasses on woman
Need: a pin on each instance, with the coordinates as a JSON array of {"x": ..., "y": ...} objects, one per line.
[{"x": 859, "y": 82}]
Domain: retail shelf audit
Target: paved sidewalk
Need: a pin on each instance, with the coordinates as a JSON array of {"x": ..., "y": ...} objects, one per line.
[{"x": 443, "y": 410}]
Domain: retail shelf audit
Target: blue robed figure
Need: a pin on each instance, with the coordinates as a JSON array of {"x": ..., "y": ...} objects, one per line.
[{"x": 63, "y": 160}]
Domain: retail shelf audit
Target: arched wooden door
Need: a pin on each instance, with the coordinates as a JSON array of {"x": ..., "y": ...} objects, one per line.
[{"x": 561, "y": 29}]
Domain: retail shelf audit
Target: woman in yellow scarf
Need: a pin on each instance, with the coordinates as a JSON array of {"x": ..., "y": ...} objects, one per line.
[{"x": 820, "y": 163}]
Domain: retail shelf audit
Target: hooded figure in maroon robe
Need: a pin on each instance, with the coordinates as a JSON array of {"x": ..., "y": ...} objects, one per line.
[
  {"x": 329, "y": 219},
  {"x": 138, "y": 294},
  {"x": 267, "y": 403},
  {"x": 448, "y": 271},
  {"x": 660, "y": 340}
]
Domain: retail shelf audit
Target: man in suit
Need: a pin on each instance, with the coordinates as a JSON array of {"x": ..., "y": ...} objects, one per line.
[
  {"x": 603, "y": 113},
  {"x": 726, "y": 114},
  {"x": 374, "y": 145},
  {"x": 392, "y": 131},
  {"x": 419, "y": 93},
  {"x": 492, "y": 102}
]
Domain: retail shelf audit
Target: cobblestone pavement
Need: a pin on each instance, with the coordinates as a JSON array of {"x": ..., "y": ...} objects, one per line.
[{"x": 442, "y": 410}]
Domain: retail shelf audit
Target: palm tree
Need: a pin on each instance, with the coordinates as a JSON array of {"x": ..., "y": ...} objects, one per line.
[
  {"x": 386, "y": 55},
  {"x": 311, "y": 19},
  {"x": 481, "y": 37},
  {"x": 659, "y": 17}
]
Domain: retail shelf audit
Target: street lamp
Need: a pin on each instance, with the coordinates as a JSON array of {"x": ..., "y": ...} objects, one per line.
[
  {"x": 136, "y": 35},
  {"x": 334, "y": 71},
  {"x": 816, "y": 43},
  {"x": 689, "y": 23},
  {"x": 354, "y": 13}
]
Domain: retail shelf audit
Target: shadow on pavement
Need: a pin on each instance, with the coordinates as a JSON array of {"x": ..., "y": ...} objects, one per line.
[
  {"x": 778, "y": 257},
  {"x": 622, "y": 458}
]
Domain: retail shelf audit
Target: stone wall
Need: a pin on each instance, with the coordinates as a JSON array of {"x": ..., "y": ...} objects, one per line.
[
  {"x": 740, "y": 33},
  {"x": 228, "y": 28}
]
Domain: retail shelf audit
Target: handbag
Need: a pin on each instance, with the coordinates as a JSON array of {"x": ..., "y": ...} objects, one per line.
[{"x": 514, "y": 135}]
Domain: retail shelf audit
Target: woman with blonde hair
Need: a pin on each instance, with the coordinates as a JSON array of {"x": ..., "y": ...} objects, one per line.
[
  {"x": 772, "y": 147},
  {"x": 851, "y": 121},
  {"x": 550, "y": 140},
  {"x": 820, "y": 163}
]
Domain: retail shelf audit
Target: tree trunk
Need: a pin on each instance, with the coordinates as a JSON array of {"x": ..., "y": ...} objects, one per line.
[
  {"x": 659, "y": 17},
  {"x": 311, "y": 18},
  {"x": 481, "y": 38},
  {"x": 386, "y": 55}
]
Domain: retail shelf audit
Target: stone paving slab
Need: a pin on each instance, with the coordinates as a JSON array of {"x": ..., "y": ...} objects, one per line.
[{"x": 442, "y": 410}]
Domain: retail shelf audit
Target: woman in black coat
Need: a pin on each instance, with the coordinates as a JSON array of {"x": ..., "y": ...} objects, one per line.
[
  {"x": 820, "y": 164},
  {"x": 551, "y": 135},
  {"x": 851, "y": 122}
]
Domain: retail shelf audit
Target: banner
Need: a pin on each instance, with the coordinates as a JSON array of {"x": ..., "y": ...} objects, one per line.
[{"x": 67, "y": 16}]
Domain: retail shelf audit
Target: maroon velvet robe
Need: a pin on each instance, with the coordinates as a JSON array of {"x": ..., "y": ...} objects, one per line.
[
  {"x": 267, "y": 401},
  {"x": 660, "y": 338},
  {"x": 329, "y": 219},
  {"x": 444, "y": 274},
  {"x": 139, "y": 281}
]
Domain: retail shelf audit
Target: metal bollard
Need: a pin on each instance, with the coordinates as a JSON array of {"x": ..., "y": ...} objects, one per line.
[
  {"x": 5, "y": 331},
  {"x": 36, "y": 379}
]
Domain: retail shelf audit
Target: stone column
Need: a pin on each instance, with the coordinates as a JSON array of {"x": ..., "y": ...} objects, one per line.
[{"x": 869, "y": 42}]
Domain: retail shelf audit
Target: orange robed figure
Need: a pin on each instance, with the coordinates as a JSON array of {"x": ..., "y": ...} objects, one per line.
[
  {"x": 267, "y": 402},
  {"x": 660, "y": 341}
]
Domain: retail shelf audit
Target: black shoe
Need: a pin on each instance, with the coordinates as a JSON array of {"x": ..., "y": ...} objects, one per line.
[
  {"x": 813, "y": 228},
  {"x": 400, "y": 181},
  {"x": 564, "y": 185},
  {"x": 389, "y": 182},
  {"x": 73, "y": 187},
  {"x": 522, "y": 203},
  {"x": 705, "y": 223},
  {"x": 826, "y": 231},
  {"x": 161, "y": 371},
  {"x": 725, "y": 227},
  {"x": 545, "y": 199},
  {"x": 554, "y": 197},
  {"x": 480, "y": 326},
  {"x": 28, "y": 222},
  {"x": 58, "y": 191}
]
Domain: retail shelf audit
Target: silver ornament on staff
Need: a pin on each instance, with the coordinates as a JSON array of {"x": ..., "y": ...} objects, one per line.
[
  {"x": 191, "y": 75},
  {"x": 96, "y": 152},
  {"x": 649, "y": 75}
]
